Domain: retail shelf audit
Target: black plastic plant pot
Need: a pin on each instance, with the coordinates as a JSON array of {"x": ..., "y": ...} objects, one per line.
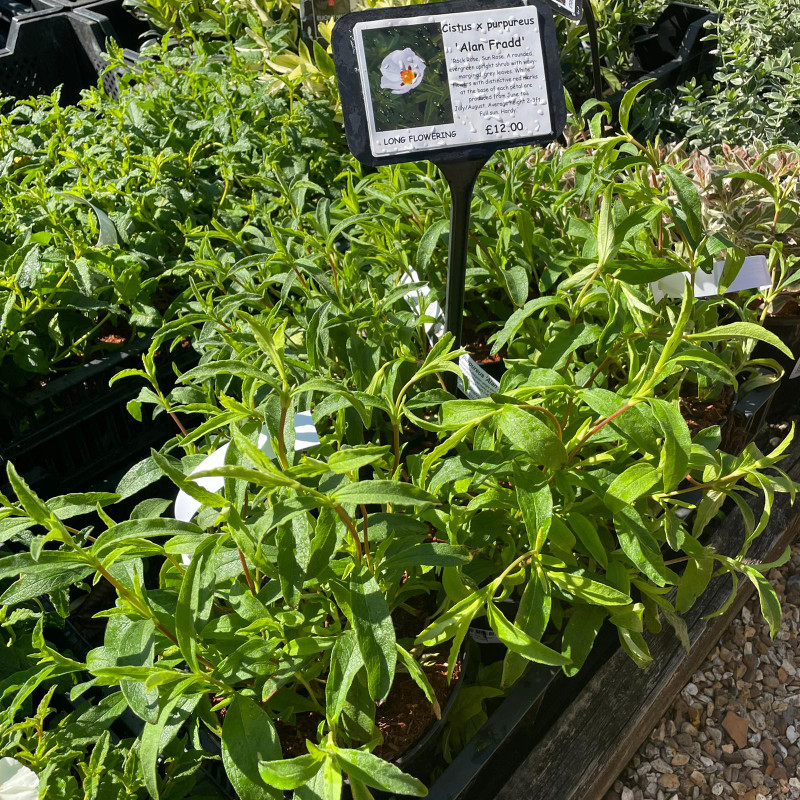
[
  {"x": 675, "y": 49},
  {"x": 787, "y": 398},
  {"x": 672, "y": 35},
  {"x": 490, "y": 757},
  {"x": 747, "y": 417}
]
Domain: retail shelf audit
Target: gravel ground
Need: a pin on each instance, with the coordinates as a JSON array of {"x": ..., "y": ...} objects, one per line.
[{"x": 734, "y": 731}]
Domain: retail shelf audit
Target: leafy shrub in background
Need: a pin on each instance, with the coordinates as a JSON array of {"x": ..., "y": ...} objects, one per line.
[{"x": 754, "y": 94}]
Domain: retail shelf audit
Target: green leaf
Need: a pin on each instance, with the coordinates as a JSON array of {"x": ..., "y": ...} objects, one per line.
[
  {"x": 289, "y": 773},
  {"x": 203, "y": 496},
  {"x": 194, "y": 600},
  {"x": 394, "y": 492},
  {"x": 29, "y": 500},
  {"x": 380, "y": 774},
  {"x": 519, "y": 641},
  {"x": 427, "y": 244},
  {"x": 589, "y": 590},
  {"x": 770, "y": 604},
  {"x": 446, "y": 625},
  {"x": 528, "y": 433},
  {"x": 605, "y": 227},
  {"x": 293, "y": 555},
  {"x": 41, "y": 579},
  {"x": 689, "y": 199},
  {"x": 635, "y": 646},
  {"x": 535, "y": 501},
  {"x": 131, "y": 642},
  {"x": 353, "y": 458},
  {"x": 138, "y": 477},
  {"x": 517, "y": 318},
  {"x": 517, "y": 284},
  {"x": 631, "y": 484},
  {"x": 456, "y": 414},
  {"x": 249, "y": 737},
  {"x": 579, "y": 634},
  {"x": 640, "y": 547},
  {"x": 589, "y": 537},
  {"x": 323, "y": 544},
  {"x": 677, "y": 443},
  {"x": 420, "y": 678},
  {"x": 532, "y": 617},
  {"x": 741, "y": 330},
  {"x": 346, "y": 661},
  {"x": 693, "y": 582},
  {"x": 155, "y": 737},
  {"x": 431, "y": 554},
  {"x": 627, "y": 102},
  {"x": 374, "y": 630}
]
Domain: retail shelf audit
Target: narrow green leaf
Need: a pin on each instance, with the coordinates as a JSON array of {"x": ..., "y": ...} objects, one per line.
[
  {"x": 194, "y": 600},
  {"x": 375, "y": 633},
  {"x": 155, "y": 737},
  {"x": 535, "y": 501},
  {"x": 741, "y": 330},
  {"x": 380, "y": 774},
  {"x": 677, "y": 443},
  {"x": 394, "y": 492},
  {"x": 289, "y": 773},
  {"x": 589, "y": 590},
  {"x": 519, "y": 641},
  {"x": 689, "y": 200},
  {"x": 346, "y": 662},
  {"x": 249, "y": 737},
  {"x": 579, "y": 634}
]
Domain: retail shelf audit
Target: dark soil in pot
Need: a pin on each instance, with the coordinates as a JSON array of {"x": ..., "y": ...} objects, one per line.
[{"x": 474, "y": 341}]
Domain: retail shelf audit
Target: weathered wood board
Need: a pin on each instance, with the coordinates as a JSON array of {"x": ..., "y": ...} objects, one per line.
[{"x": 591, "y": 743}]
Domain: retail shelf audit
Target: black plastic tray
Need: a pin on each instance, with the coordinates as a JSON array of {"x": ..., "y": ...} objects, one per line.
[{"x": 76, "y": 431}]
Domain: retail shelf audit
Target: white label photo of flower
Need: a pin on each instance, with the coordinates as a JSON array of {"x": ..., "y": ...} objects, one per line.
[
  {"x": 402, "y": 71},
  {"x": 17, "y": 782}
]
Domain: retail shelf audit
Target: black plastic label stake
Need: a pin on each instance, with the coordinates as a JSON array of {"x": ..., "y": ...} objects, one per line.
[
  {"x": 314, "y": 12},
  {"x": 568, "y": 8},
  {"x": 450, "y": 82}
]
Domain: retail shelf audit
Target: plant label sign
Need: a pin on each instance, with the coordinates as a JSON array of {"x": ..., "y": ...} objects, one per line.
[
  {"x": 315, "y": 12},
  {"x": 568, "y": 8},
  {"x": 449, "y": 81}
]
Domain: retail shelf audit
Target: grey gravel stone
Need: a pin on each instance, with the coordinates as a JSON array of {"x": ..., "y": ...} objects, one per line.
[{"x": 690, "y": 756}]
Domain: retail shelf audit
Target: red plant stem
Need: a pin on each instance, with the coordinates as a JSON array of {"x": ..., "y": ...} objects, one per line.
[
  {"x": 344, "y": 517},
  {"x": 247, "y": 574},
  {"x": 600, "y": 425},
  {"x": 178, "y": 422}
]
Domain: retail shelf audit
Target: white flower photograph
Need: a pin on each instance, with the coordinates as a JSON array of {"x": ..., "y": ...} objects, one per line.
[{"x": 407, "y": 76}]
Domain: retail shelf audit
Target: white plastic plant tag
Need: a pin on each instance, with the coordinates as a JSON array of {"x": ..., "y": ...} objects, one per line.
[
  {"x": 305, "y": 436},
  {"x": 480, "y": 76},
  {"x": 415, "y": 298},
  {"x": 796, "y": 370},
  {"x": 479, "y": 383},
  {"x": 753, "y": 274}
]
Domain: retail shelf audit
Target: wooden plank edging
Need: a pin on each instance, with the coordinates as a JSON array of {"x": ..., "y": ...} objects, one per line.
[{"x": 588, "y": 747}]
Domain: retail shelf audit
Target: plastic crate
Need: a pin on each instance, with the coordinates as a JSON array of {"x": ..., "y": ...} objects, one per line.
[
  {"x": 77, "y": 430},
  {"x": 46, "y": 50},
  {"x": 128, "y": 28}
]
